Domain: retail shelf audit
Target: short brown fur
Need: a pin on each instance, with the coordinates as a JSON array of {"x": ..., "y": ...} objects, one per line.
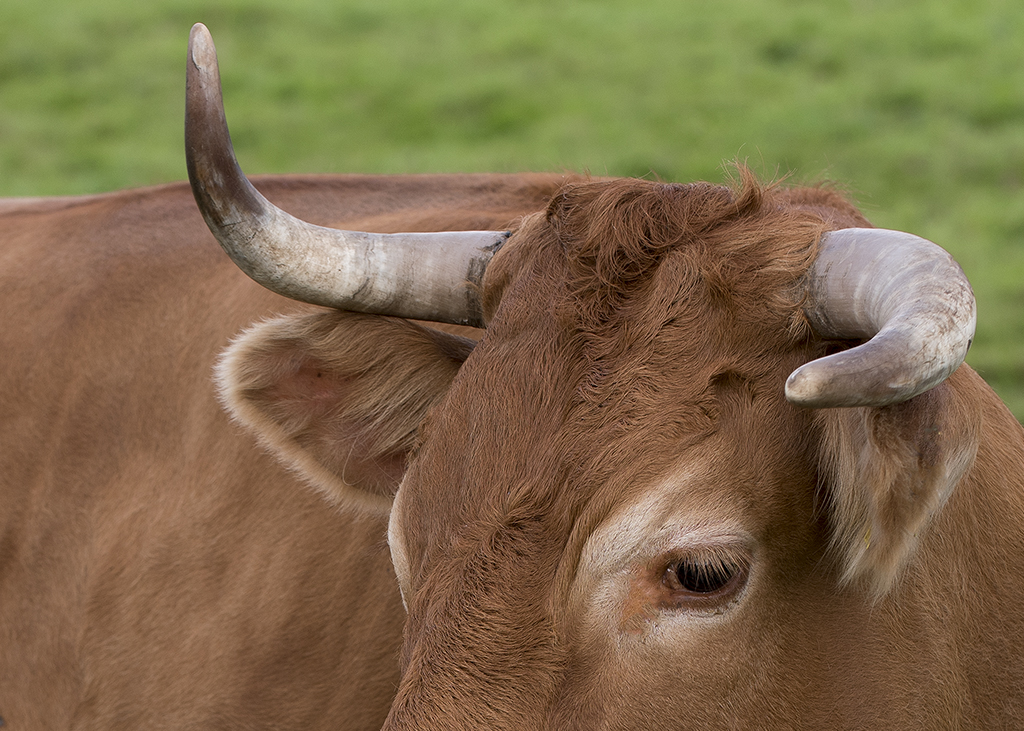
[{"x": 623, "y": 411}]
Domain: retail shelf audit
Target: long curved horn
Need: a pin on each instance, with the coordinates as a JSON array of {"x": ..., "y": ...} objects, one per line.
[
  {"x": 904, "y": 293},
  {"x": 423, "y": 276}
]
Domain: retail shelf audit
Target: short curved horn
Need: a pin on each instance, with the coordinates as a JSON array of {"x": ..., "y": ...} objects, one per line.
[
  {"x": 904, "y": 293},
  {"x": 423, "y": 276}
]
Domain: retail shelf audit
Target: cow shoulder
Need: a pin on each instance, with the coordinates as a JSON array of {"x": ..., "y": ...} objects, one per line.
[
  {"x": 339, "y": 396},
  {"x": 889, "y": 471}
]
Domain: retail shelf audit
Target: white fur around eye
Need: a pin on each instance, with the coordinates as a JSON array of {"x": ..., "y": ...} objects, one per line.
[{"x": 624, "y": 560}]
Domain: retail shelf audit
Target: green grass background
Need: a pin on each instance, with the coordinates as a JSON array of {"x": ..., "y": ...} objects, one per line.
[{"x": 915, "y": 107}]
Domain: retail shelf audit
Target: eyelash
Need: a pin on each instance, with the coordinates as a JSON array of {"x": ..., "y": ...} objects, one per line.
[{"x": 702, "y": 580}]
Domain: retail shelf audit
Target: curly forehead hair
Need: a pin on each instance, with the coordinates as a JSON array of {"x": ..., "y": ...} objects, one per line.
[{"x": 742, "y": 247}]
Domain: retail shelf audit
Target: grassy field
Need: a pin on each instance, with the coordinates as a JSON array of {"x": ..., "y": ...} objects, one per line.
[{"x": 915, "y": 107}]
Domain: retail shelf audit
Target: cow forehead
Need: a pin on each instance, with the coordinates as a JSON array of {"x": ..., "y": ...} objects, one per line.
[
  {"x": 720, "y": 488},
  {"x": 498, "y": 447},
  {"x": 584, "y": 380}
]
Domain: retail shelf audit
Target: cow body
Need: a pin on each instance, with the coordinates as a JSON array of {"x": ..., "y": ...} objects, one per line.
[{"x": 158, "y": 569}]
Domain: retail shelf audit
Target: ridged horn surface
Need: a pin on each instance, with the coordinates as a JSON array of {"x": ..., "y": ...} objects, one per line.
[
  {"x": 423, "y": 276},
  {"x": 903, "y": 292}
]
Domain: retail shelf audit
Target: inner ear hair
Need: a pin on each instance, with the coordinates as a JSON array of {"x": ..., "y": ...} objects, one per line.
[
  {"x": 339, "y": 396},
  {"x": 888, "y": 471}
]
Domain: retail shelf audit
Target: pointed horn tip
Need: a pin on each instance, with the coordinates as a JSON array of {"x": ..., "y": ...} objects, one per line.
[
  {"x": 811, "y": 387},
  {"x": 817, "y": 385},
  {"x": 200, "y": 47},
  {"x": 803, "y": 388}
]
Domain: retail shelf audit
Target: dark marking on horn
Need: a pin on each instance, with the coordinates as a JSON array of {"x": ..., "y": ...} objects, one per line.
[
  {"x": 475, "y": 277},
  {"x": 477, "y": 266}
]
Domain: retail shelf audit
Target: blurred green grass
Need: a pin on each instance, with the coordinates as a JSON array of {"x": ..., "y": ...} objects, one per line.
[{"x": 916, "y": 107}]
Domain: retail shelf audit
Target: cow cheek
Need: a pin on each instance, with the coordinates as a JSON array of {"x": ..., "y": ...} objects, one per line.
[{"x": 657, "y": 679}]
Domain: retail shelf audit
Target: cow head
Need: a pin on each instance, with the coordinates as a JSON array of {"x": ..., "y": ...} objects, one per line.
[{"x": 663, "y": 490}]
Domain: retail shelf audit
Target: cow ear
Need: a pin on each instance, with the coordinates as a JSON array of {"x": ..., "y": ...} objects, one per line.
[
  {"x": 888, "y": 471},
  {"x": 339, "y": 396}
]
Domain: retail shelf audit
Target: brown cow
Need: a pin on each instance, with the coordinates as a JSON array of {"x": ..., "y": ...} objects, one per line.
[{"x": 614, "y": 511}]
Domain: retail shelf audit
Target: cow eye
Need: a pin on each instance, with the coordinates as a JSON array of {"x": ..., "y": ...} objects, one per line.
[{"x": 704, "y": 577}]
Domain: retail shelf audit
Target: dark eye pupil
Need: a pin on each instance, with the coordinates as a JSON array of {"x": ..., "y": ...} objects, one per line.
[{"x": 703, "y": 578}]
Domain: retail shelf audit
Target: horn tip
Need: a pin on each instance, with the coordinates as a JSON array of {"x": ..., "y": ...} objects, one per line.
[
  {"x": 827, "y": 383},
  {"x": 815, "y": 385},
  {"x": 804, "y": 388},
  {"x": 200, "y": 47}
]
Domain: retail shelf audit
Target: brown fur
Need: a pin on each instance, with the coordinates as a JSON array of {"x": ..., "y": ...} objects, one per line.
[
  {"x": 157, "y": 568},
  {"x": 622, "y": 412},
  {"x": 338, "y": 400},
  {"x": 654, "y": 327},
  {"x": 890, "y": 470}
]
